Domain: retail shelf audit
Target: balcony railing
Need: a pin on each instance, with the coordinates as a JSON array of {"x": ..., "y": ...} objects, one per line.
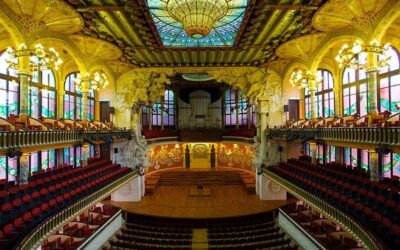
[
  {"x": 348, "y": 223},
  {"x": 33, "y": 240},
  {"x": 388, "y": 136},
  {"x": 43, "y": 138}
]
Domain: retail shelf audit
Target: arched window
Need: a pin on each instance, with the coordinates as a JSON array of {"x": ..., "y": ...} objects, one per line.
[
  {"x": 42, "y": 94},
  {"x": 9, "y": 89},
  {"x": 162, "y": 114},
  {"x": 237, "y": 109},
  {"x": 73, "y": 100},
  {"x": 324, "y": 96},
  {"x": 355, "y": 90},
  {"x": 389, "y": 85}
]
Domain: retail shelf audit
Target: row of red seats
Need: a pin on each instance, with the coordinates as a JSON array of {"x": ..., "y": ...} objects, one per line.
[
  {"x": 20, "y": 215},
  {"x": 75, "y": 233},
  {"x": 381, "y": 214}
]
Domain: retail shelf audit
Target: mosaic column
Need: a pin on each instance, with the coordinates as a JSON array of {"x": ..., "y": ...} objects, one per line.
[
  {"x": 24, "y": 75},
  {"x": 313, "y": 152},
  {"x": 85, "y": 94},
  {"x": 372, "y": 71},
  {"x": 374, "y": 165},
  {"x": 24, "y": 168},
  {"x": 85, "y": 154},
  {"x": 60, "y": 103}
]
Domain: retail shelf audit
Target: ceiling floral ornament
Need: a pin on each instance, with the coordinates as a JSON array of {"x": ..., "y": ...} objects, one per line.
[{"x": 141, "y": 87}]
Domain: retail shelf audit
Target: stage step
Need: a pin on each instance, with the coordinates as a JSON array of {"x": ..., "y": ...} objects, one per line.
[{"x": 193, "y": 178}]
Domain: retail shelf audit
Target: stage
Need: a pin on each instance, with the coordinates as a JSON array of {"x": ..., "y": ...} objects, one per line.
[{"x": 179, "y": 202}]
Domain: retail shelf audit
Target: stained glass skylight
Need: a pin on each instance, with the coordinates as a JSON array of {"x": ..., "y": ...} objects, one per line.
[{"x": 223, "y": 32}]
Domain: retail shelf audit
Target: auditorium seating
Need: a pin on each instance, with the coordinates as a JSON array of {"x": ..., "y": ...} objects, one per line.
[
  {"x": 375, "y": 204},
  {"x": 146, "y": 232},
  {"x": 257, "y": 231},
  {"x": 247, "y": 232},
  {"x": 24, "y": 206},
  {"x": 74, "y": 233},
  {"x": 323, "y": 229}
]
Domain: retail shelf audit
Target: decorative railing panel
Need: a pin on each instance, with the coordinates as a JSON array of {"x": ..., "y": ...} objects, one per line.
[
  {"x": 43, "y": 138},
  {"x": 329, "y": 210},
  {"x": 387, "y": 136}
]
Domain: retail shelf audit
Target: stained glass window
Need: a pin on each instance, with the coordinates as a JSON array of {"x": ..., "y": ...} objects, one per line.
[
  {"x": 162, "y": 114},
  {"x": 8, "y": 168},
  {"x": 223, "y": 32},
  {"x": 168, "y": 111},
  {"x": 72, "y": 156},
  {"x": 238, "y": 111},
  {"x": 324, "y": 96},
  {"x": 48, "y": 158},
  {"x": 365, "y": 159},
  {"x": 330, "y": 154},
  {"x": 34, "y": 162},
  {"x": 351, "y": 157},
  {"x": 42, "y": 94},
  {"x": 9, "y": 89},
  {"x": 389, "y": 82},
  {"x": 355, "y": 90},
  {"x": 391, "y": 165}
]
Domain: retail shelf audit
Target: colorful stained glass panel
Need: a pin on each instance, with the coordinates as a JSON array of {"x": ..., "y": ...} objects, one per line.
[{"x": 223, "y": 32}]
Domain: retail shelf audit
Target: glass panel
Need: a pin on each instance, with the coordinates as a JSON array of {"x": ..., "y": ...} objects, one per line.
[
  {"x": 396, "y": 164},
  {"x": 386, "y": 162},
  {"x": 365, "y": 159},
  {"x": 12, "y": 169},
  {"x": 34, "y": 102},
  {"x": 33, "y": 161},
  {"x": 3, "y": 164}
]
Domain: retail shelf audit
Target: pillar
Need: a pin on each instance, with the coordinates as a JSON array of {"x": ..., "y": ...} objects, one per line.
[
  {"x": 374, "y": 166},
  {"x": 313, "y": 152},
  {"x": 372, "y": 71},
  {"x": 85, "y": 154},
  {"x": 263, "y": 110},
  {"x": 85, "y": 94},
  {"x": 302, "y": 111},
  {"x": 23, "y": 168},
  {"x": 97, "y": 107},
  {"x": 312, "y": 102},
  {"x": 60, "y": 103},
  {"x": 24, "y": 75},
  {"x": 339, "y": 154}
]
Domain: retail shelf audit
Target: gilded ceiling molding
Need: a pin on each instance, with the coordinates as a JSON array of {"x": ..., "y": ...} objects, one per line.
[
  {"x": 8, "y": 20},
  {"x": 390, "y": 12}
]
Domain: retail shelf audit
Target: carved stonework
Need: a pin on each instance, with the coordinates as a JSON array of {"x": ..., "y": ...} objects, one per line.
[{"x": 143, "y": 86}]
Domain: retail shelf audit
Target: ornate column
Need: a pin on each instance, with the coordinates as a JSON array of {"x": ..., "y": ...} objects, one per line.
[
  {"x": 24, "y": 75},
  {"x": 60, "y": 103},
  {"x": 85, "y": 154},
  {"x": 85, "y": 94},
  {"x": 313, "y": 152},
  {"x": 24, "y": 168},
  {"x": 263, "y": 110},
  {"x": 374, "y": 165},
  {"x": 372, "y": 71},
  {"x": 312, "y": 88}
]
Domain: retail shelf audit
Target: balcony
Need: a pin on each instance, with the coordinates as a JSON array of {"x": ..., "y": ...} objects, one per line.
[
  {"x": 364, "y": 135},
  {"x": 53, "y": 137},
  {"x": 329, "y": 210}
]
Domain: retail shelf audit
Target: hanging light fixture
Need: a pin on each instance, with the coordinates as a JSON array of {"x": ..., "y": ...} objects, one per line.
[
  {"x": 303, "y": 80},
  {"x": 197, "y": 16},
  {"x": 95, "y": 81},
  {"x": 40, "y": 58},
  {"x": 347, "y": 54}
]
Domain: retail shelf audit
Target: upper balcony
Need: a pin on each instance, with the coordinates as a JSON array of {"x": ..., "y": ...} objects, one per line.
[
  {"x": 384, "y": 130},
  {"x": 20, "y": 132}
]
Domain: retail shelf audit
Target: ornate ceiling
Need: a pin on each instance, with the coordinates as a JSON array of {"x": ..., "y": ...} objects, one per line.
[{"x": 133, "y": 27}]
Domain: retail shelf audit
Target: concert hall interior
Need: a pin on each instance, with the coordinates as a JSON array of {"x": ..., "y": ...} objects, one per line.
[{"x": 199, "y": 124}]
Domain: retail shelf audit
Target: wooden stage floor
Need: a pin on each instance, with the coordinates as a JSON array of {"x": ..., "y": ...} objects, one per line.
[{"x": 176, "y": 202}]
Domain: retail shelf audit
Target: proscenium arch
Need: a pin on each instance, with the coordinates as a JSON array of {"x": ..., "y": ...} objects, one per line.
[{"x": 10, "y": 24}]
